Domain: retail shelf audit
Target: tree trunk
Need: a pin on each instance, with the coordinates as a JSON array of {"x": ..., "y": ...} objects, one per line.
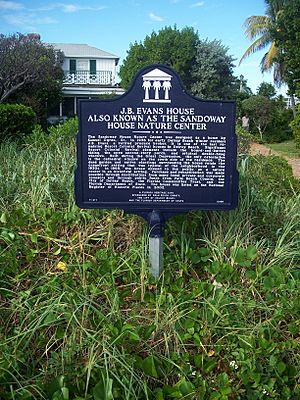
[
  {"x": 260, "y": 132},
  {"x": 8, "y": 92},
  {"x": 293, "y": 104}
]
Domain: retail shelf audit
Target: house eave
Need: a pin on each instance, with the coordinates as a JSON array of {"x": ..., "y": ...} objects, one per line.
[{"x": 91, "y": 90}]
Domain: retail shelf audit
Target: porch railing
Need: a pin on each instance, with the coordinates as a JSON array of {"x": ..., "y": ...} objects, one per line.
[{"x": 88, "y": 78}]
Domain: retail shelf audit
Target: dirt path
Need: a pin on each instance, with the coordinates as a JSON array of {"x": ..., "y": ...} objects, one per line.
[{"x": 265, "y": 151}]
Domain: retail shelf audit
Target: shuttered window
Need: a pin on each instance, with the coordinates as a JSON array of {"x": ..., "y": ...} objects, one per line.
[
  {"x": 93, "y": 67},
  {"x": 72, "y": 66}
]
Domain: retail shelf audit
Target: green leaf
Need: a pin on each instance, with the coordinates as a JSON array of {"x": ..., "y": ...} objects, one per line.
[
  {"x": 185, "y": 387},
  {"x": 188, "y": 324},
  {"x": 251, "y": 252},
  {"x": 195, "y": 258},
  {"x": 281, "y": 367},
  {"x": 226, "y": 390},
  {"x": 65, "y": 393},
  {"x": 7, "y": 235},
  {"x": 134, "y": 337},
  {"x": 246, "y": 342},
  {"x": 172, "y": 392},
  {"x": 251, "y": 275},
  {"x": 57, "y": 252},
  {"x": 197, "y": 339},
  {"x": 215, "y": 267},
  {"x": 159, "y": 395},
  {"x": 209, "y": 365},
  {"x": 203, "y": 251},
  {"x": 54, "y": 388},
  {"x": 148, "y": 366},
  {"x": 255, "y": 376},
  {"x": 215, "y": 396},
  {"x": 50, "y": 318},
  {"x": 198, "y": 360},
  {"x": 240, "y": 255},
  {"x": 268, "y": 282},
  {"x": 273, "y": 361},
  {"x": 34, "y": 237},
  {"x": 148, "y": 330},
  {"x": 103, "y": 389},
  {"x": 3, "y": 219},
  {"x": 223, "y": 379},
  {"x": 241, "y": 258}
]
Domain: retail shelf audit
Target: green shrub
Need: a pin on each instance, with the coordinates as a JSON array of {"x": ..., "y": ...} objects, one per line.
[
  {"x": 272, "y": 176},
  {"x": 68, "y": 129},
  {"x": 273, "y": 190},
  {"x": 16, "y": 120},
  {"x": 295, "y": 125},
  {"x": 279, "y": 129},
  {"x": 244, "y": 140}
]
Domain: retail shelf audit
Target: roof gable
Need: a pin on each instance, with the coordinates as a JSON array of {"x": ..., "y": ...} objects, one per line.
[{"x": 82, "y": 50}]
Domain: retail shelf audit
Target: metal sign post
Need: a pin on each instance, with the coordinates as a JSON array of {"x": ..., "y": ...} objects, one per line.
[
  {"x": 156, "y": 242},
  {"x": 156, "y": 256},
  {"x": 156, "y": 152}
]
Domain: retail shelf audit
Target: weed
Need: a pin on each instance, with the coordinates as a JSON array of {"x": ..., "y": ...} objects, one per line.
[{"x": 80, "y": 317}]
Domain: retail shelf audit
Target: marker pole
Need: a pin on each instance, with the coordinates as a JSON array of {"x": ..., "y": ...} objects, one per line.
[{"x": 156, "y": 242}]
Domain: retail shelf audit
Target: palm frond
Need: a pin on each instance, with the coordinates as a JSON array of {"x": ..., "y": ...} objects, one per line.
[
  {"x": 278, "y": 73},
  {"x": 259, "y": 44},
  {"x": 259, "y": 27},
  {"x": 267, "y": 65},
  {"x": 264, "y": 67},
  {"x": 269, "y": 58},
  {"x": 274, "y": 7},
  {"x": 256, "y": 25}
]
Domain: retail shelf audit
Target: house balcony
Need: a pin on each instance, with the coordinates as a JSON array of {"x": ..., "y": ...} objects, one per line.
[{"x": 103, "y": 78}]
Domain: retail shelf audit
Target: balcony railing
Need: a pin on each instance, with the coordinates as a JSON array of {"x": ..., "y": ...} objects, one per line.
[{"x": 88, "y": 78}]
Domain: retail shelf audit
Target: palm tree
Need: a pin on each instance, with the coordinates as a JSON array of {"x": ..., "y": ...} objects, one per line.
[{"x": 259, "y": 28}]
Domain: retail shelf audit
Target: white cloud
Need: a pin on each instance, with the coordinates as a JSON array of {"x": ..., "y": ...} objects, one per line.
[
  {"x": 155, "y": 17},
  {"x": 70, "y": 8},
  {"x": 31, "y": 18},
  {"x": 199, "y": 4},
  {"x": 10, "y": 5},
  {"x": 28, "y": 21}
]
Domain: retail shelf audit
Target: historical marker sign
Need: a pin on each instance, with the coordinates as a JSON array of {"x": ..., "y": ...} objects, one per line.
[{"x": 156, "y": 148}]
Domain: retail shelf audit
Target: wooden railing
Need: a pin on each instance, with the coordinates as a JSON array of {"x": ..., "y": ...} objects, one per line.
[{"x": 88, "y": 78}]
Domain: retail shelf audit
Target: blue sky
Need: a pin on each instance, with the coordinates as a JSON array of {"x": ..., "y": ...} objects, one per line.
[{"x": 112, "y": 25}]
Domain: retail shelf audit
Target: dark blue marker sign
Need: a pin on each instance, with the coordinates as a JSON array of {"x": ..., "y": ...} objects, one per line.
[{"x": 156, "y": 150}]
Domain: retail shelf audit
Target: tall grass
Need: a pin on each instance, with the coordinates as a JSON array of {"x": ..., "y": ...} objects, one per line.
[
  {"x": 40, "y": 173},
  {"x": 80, "y": 317}
]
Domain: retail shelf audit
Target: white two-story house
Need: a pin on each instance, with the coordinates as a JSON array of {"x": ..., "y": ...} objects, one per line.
[{"x": 88, "y": 73}]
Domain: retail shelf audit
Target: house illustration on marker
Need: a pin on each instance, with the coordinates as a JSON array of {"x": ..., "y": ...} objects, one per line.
[{"x": 157, "y": 86}]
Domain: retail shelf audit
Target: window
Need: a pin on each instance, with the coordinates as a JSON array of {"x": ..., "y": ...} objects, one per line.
[
  {"x": 72, "y": 66},
  {"x": 93, "y": 67}
]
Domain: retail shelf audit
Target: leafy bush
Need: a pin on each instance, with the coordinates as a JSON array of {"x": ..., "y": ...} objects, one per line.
[
  {"x": 272, "y": 187},
  {"x": 67, "y": 130},
  {"x": 279, "y": 129},
  {"x": 62, "y": 134},
  {"x": 16, "y": 120},
  {"x": 269, "y": 119},
  {"x": 295, "y": 125},
  {"x": 244, "y": 139},
  {"x": 272, "y": 175},
  {"x": 259, "y": 108}
]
